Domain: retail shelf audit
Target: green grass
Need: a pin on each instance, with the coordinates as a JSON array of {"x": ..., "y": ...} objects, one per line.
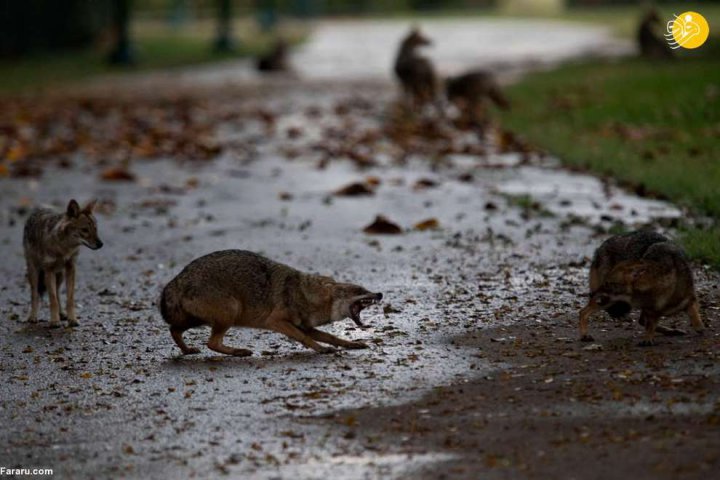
[
  {"x": 157, "y": 46},
  {"x": 645, "y": 123},
  {"x": 703, "y": 245},
  {"x": 623, "y": 19}
]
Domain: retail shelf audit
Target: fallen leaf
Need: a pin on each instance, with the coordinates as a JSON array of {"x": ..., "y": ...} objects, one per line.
[
  {"x": 429, "y": 224},
  {"x": 382, "y": 226},
  {"x": 424, "y": 183},
  {"x": 373, "y": 181},
  {"x": 117, "y": 174},
  {"x": 354, "y": 190}
]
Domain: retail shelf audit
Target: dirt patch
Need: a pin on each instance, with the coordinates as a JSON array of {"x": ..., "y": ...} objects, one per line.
[{"x": 558, "y": 408}]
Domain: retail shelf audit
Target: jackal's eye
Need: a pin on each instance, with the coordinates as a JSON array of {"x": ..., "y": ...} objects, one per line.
[{"x": 85, "y": 230}]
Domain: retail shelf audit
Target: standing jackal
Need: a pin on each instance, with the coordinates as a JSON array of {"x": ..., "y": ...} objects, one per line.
[
  {"x": 415, "y": 72},
  {"x": 237, "y": 288},
  {"x": 471, "y": 91},
  {"x": 641, "y": 270},
  {"x": 650, "y": 43},
  {"x": 51, "y": 241}
]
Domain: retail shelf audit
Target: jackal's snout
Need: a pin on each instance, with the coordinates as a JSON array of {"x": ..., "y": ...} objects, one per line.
[{"x": 360, "y": 303}]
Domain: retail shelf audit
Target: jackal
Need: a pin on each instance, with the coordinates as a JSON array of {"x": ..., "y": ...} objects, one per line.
[
  {"x": 641, "y": 270},
  {"x": 651, "y": 44},
  {"x": 471, "y": 91},
  {"x": 237, "y": 288},
  {"x": 276, "y": 60},
  {"x": 415, "y": 72},
  {"x": 51, "y": 241}
]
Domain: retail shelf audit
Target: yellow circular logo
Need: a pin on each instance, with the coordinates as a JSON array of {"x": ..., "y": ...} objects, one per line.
[{"x": 687, "y": 30}]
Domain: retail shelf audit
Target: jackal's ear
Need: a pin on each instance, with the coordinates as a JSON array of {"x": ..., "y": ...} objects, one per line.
[
  {"x": 73, "y": 209},
  {"x": 90, "y": 206}
]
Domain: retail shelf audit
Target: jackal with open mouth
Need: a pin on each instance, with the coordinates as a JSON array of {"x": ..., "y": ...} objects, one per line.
[{"x": 238, "y": 288}]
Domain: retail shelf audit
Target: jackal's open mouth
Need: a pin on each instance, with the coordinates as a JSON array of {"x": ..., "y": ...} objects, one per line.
[{"x": 359, "y": 305}]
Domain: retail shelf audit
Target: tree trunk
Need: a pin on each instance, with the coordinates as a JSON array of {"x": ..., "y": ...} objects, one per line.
[
  {"x": 122, "y": 53},
  {"x": 224, "y": 41}
]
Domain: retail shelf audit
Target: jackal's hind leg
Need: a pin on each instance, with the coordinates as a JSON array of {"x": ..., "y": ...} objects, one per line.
[
  {"x": 177, "y": 335},
  {"x": 33, "y": 276},
  {"x": 693, "y": 312},
  {"x": 667, "y": 331}
]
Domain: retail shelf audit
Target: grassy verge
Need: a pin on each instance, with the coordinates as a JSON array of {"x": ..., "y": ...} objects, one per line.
[
  {"x": 653, "y": 125},
  {"x": 157, "y": 46}
]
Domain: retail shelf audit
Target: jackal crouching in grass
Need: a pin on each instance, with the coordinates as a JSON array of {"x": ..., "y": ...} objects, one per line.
[
  {"x": 642, "y": 270},
  {"x": 237, "y": 288},
  {"x": 51, "y": 241}
]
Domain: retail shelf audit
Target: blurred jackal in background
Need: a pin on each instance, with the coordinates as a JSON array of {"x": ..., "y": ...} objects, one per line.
[
  {"x": 651, "y": 44},
  {"x": 276, "y": 60},
  {"x": 472, "y": 91},
  {"x": 416, "y": 72}
]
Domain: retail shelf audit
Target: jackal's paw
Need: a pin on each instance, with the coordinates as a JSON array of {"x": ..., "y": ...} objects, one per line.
[
  {"x": 587, "y": 338},
  {"x": 646, "y": 343},
  {"x": 55, "y": 324},
  {"x": 241, "y": 352},
  {"x": 32, "y": 319},
  {"x": 700, "y": 332},
  {"x": 72, "y": 322},
  {"x": 191, "y": 351},
  {"x": 326, "y": 350},
  {"x": 356, "y": 345}
]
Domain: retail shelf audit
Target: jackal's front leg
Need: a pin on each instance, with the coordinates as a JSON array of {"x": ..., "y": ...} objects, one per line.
[
  {"x": 51, "y": 283},
  {"x": 287, "y": 328},
  {"x": 651, "y": 321},
  {"x": 585, "y": 313},
  {"x": 70, "y": 287},
  {"x": 324, "y": 337}
]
